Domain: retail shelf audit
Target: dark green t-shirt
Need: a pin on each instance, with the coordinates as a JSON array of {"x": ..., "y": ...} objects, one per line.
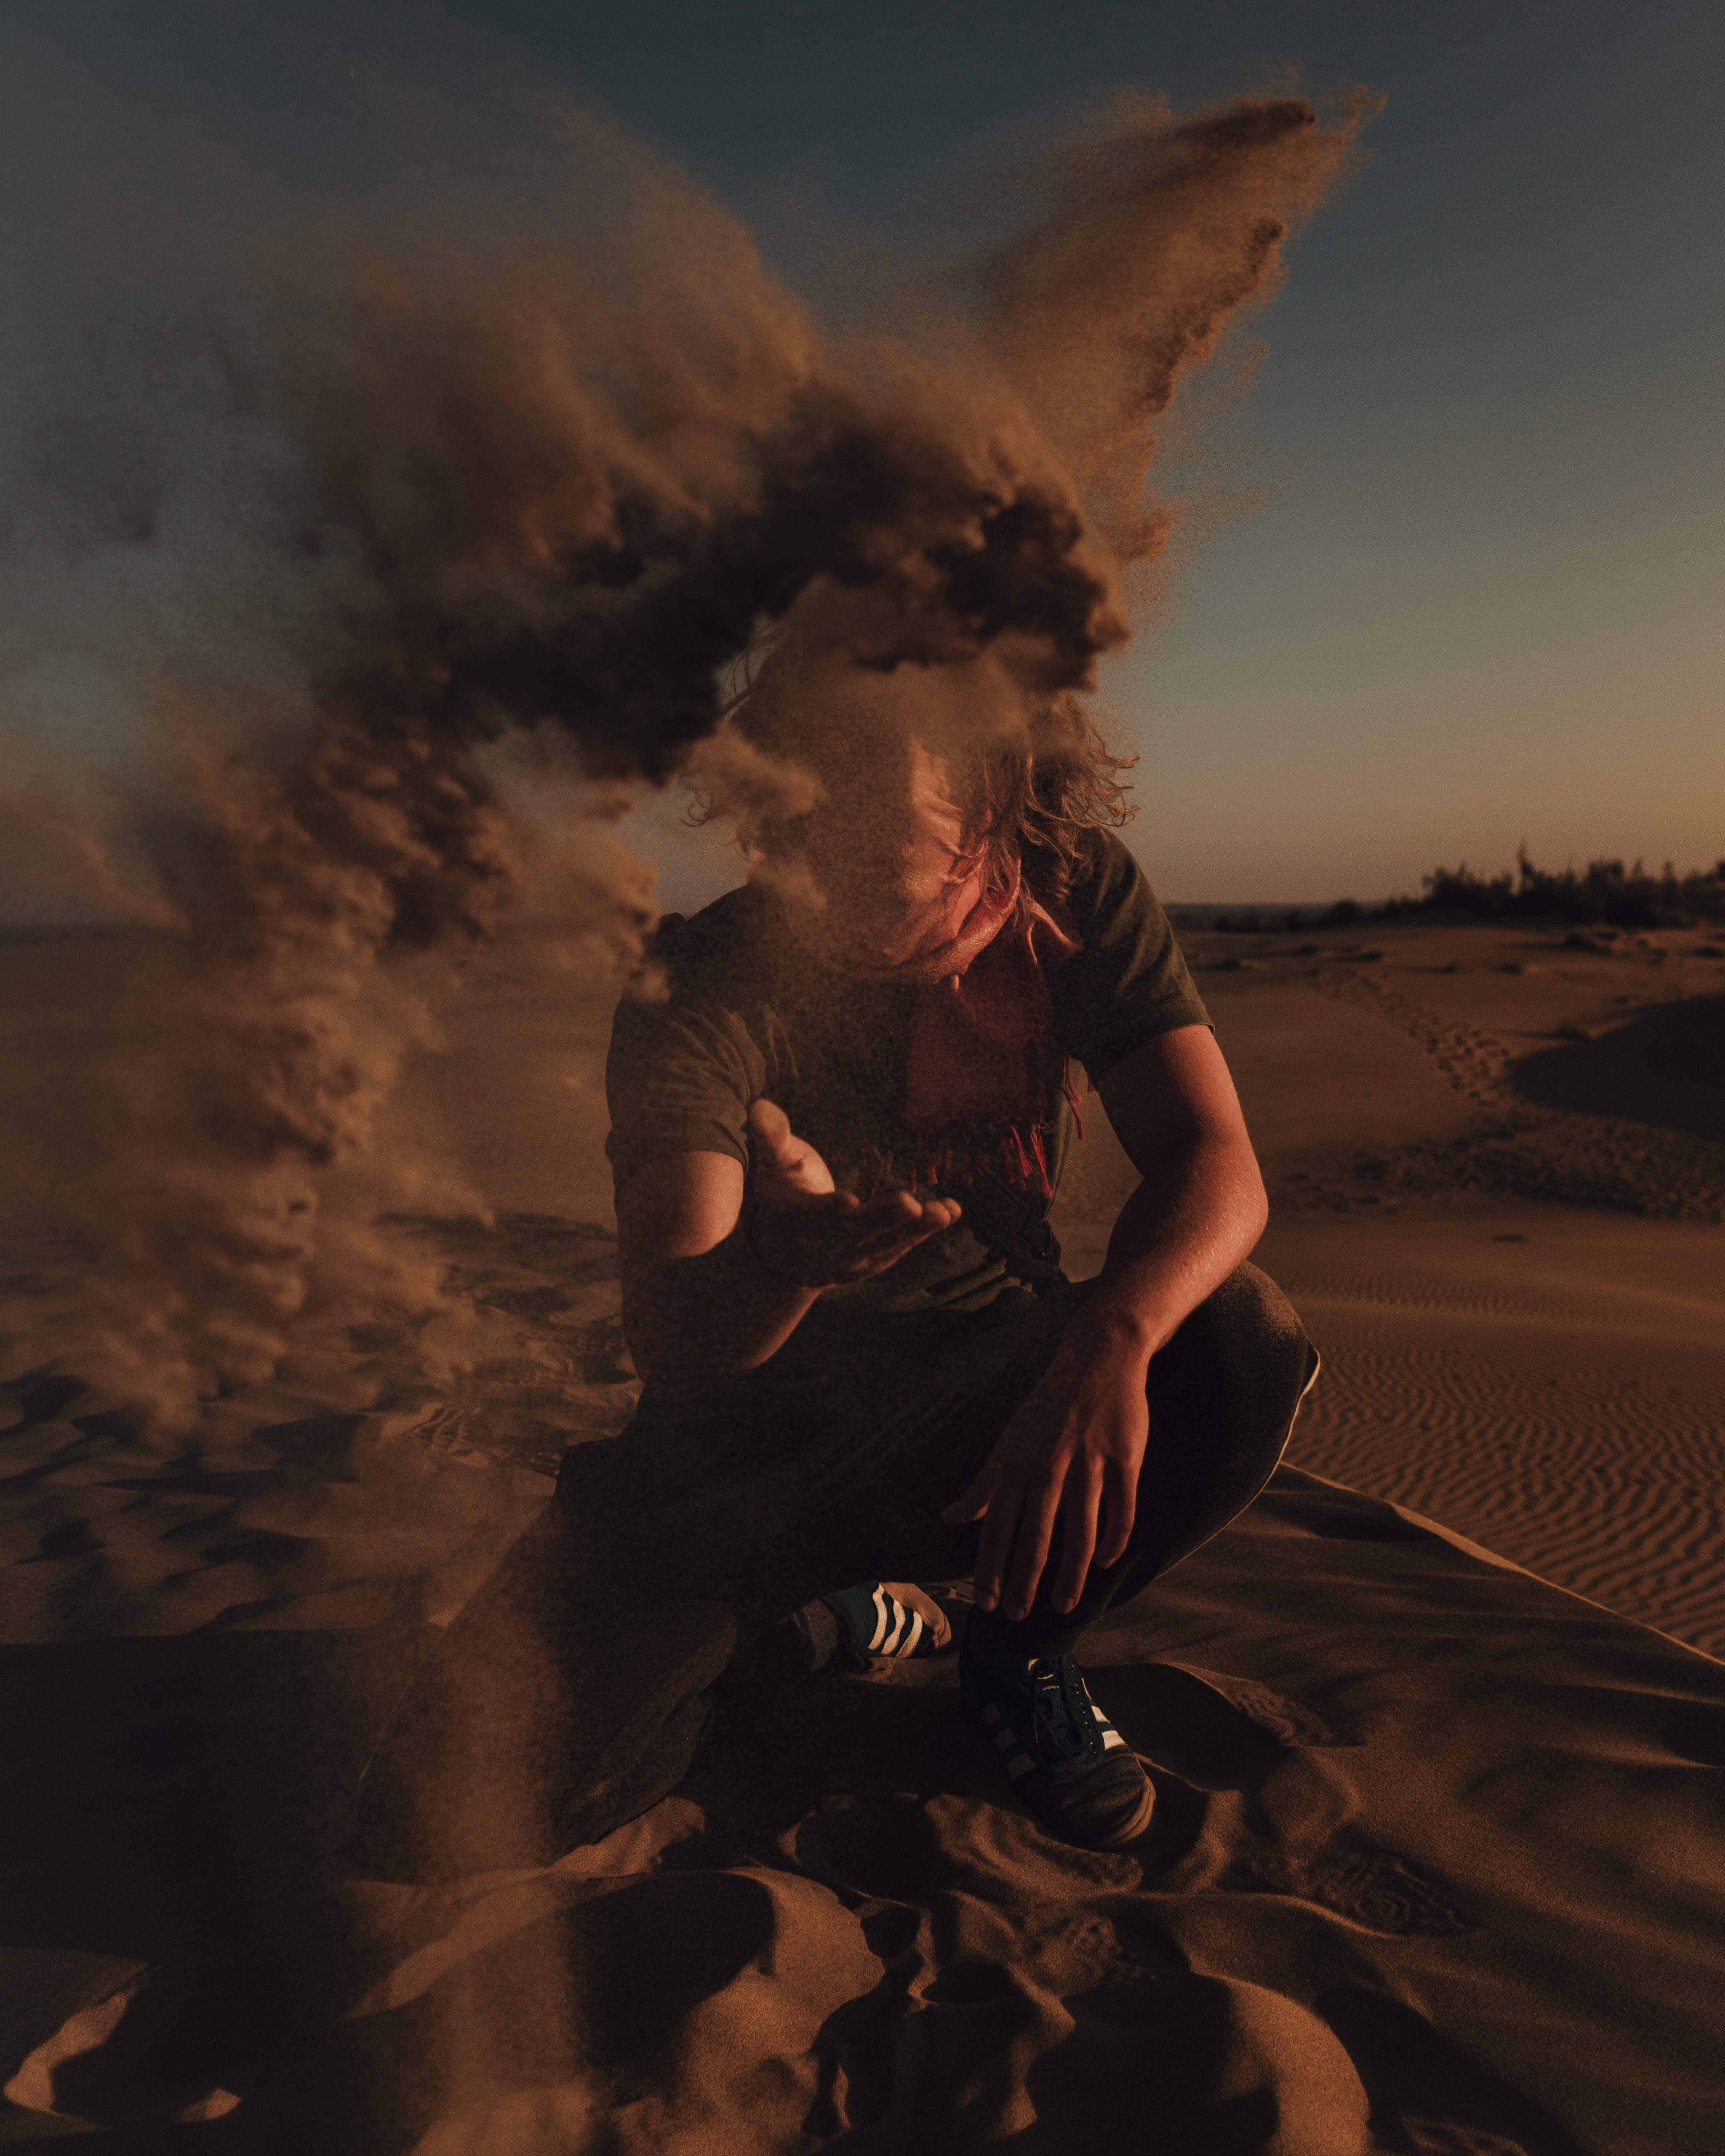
[{"x": 749, "y": 1014}]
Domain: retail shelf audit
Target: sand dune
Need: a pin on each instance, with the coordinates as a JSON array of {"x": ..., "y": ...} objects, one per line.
[
  {"x": 1576, "y": 1424},
  {"x": 1437, "y": 1862},
  {"x": 1436, "y": 1850}
]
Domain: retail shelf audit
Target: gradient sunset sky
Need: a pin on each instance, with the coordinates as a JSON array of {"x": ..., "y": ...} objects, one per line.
[{"x": 1481, "y": 596}]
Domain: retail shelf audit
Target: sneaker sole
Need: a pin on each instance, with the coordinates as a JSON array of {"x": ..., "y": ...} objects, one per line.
[
  {"x": 1117, "y": 1839},
  {"x": 1135, "y": 1826}
]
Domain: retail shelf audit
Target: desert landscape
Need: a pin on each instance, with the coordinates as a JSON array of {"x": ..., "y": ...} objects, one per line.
[
  {"x": 1437, "y": 1728},
  {"x": 467, "y": 473}
]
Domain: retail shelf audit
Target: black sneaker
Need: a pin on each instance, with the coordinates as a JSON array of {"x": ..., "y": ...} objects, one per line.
[
  {"x": 861, "y": 1628},
  {"x": 887, "y": 1620},
  {"x": 1061, "y": 1753}
]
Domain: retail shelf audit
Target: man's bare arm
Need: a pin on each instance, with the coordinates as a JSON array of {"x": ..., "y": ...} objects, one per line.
[
  {"x": 1074, "y": 1450},
  {"x": 702, "y": 1299},
  {"x": 1200, "y": 1208}
]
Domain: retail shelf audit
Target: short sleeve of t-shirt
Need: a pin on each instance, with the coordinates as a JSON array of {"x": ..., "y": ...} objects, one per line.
[
  {"x": 683, "y": 1071},
  {"x": 684, "y": 1068},
  {"x": 678, "y": 1080},
  {"x": 1129, "y": 984}
]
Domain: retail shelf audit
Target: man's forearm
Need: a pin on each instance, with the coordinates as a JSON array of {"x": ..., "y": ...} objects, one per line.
[
  {"x": 1196, "y": 1216},
  {"x": 705, "y": 1298}
]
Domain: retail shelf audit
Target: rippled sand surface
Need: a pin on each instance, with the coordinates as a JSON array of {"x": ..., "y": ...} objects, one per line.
[{"x": 1497, "y": 1171}]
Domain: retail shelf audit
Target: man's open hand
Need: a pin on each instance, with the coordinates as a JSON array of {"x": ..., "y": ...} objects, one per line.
[
  {"x": 1071, "y": 1453},
  {"x": 807, "y": 1230}
]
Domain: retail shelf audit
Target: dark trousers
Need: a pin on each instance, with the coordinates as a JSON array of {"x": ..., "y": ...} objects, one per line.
[
  {"x": 831, "y": 1463},
  {"x": 569, "y": 1694}
]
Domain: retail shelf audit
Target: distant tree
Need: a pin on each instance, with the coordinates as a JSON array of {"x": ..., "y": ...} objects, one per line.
[
  {"x": 1604, "y": 891},
  {"x": 1460, "y": 891}
]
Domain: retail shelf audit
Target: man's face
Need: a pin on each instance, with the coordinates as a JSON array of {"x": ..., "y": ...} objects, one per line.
[
  {"x": 884, "y": 849},
  {"x": 885, "y": 846}
]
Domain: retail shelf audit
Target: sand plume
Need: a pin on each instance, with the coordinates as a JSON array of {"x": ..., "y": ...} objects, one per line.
[
  {"x": 486, "y": 483},
  {"x": 1159, "y": 226}
]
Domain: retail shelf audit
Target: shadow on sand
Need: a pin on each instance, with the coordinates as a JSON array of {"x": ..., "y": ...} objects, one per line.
[{"x": 1665, "y": 1066}]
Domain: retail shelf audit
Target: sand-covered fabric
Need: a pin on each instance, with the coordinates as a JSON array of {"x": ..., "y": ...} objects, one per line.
[{"x": 1438, "y": 1864}]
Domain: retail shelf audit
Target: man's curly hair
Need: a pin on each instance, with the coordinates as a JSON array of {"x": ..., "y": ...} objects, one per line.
[
  {"x": 1046, "y": 795},
  {"x": 1037, "y": 797}
]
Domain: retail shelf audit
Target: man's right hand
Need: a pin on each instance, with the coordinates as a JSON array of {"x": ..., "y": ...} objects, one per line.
[
  {"x": 703, "y": 1300},
  {"x": 807, "y": 1231}
]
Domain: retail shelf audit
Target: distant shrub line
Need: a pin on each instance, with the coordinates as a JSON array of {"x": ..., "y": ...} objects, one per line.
[{"x": 1604, "y": 891}]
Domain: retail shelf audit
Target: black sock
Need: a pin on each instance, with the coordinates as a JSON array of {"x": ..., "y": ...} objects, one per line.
[{"x": 1034, "y": 1637}]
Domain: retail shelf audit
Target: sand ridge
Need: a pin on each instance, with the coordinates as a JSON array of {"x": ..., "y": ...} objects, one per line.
[{"x": 1574, "y": 1425}]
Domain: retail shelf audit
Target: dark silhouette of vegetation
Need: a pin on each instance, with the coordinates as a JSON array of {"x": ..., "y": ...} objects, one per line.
[{"x": 1605, "y": 893}]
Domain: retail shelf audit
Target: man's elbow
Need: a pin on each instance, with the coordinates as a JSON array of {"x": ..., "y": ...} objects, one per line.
[
  {"x": 664, "y": 1369},
  {"x": 1236, "y": 1181},
  {"x": 677, "y": 1358},
  {"x": 653, "y": 1345},
  {"x": 1254, "y": 1198}
]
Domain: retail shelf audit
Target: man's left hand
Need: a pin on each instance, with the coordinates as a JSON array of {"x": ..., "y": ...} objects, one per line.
[{"x": 1072, "y": 1453}]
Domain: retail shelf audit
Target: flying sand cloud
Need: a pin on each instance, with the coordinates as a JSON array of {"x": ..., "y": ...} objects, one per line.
[{"x": 313, "y": 529}]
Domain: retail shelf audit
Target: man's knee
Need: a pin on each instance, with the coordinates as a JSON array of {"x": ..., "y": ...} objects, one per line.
[
  {"x": 1244, "y": 1354},
  {"x": 1251, "y": 1318}
]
